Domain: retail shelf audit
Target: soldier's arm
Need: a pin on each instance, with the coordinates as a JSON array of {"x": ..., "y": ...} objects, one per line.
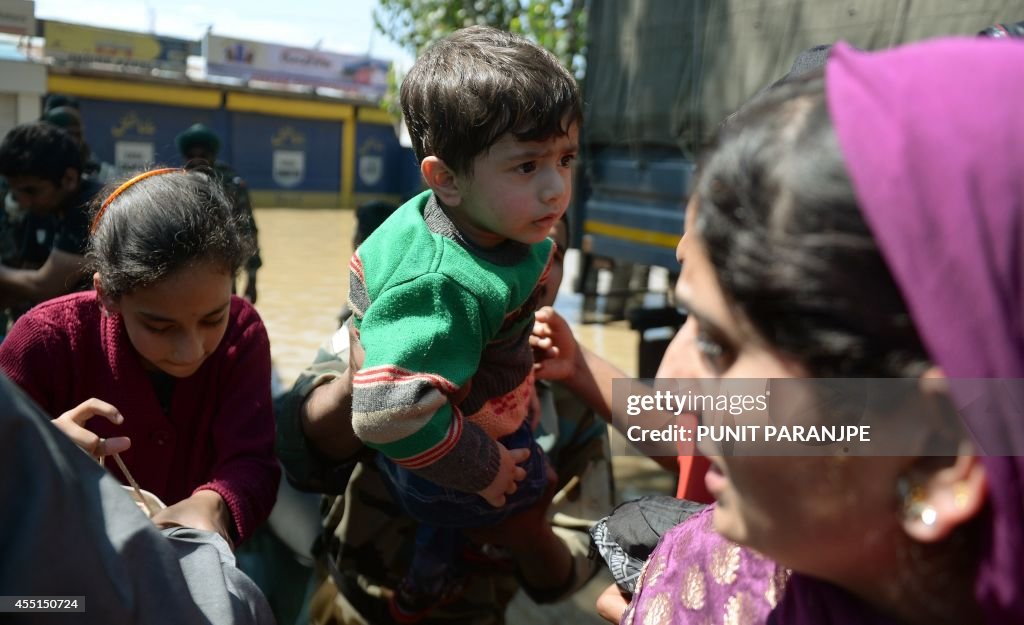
[{"x": 315, "y": 441}]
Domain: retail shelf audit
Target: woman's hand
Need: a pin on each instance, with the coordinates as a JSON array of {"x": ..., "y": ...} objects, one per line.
[
  {"x": 204, "y": 510},
  {"x": 72, "y": 423},
  {"x": 555, "y": 350},
  {"x": 612, "y": 604}
]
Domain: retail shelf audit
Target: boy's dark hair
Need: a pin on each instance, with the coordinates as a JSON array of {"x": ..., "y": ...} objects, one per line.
[
  {"x": 39, "y": 149},
  {"x": 162, "y": 224},
  {"x": 779, "y": 218},
  {"x": 468, "y": 89}
]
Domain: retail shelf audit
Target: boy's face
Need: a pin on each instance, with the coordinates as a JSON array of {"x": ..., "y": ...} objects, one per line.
[
  {"x": 201, "y": 154},
  {"x": 518, "y": 190},
  {"x": 41, "y": 196}
]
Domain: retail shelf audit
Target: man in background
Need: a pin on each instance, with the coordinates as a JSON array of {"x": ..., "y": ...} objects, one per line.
[
  {"x": 199, "y": 145},
  {"x": 43, "y": 239}
]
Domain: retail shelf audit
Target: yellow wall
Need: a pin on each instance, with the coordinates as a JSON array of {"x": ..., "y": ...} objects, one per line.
[
  {"x": 215, "y": 98},
  {"x": 123, "y": 90}
]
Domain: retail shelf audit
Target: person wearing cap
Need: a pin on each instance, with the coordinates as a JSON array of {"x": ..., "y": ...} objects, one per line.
[
  {"x": 199, "y": 143},
  {"x": 44, "y": 240},
  {"x": 70, "y": 120}
]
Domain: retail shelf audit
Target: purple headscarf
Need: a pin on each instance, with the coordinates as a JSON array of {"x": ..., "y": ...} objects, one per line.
[{"x": 933, "y": 139}]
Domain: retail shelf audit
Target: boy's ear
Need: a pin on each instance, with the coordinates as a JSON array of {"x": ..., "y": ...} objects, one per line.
[
  {"x": 109, "y": 304},
  {"x": 441, "y": 180}
]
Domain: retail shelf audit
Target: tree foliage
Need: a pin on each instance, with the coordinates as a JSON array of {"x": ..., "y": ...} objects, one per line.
[{"x": 558, "y": 25}]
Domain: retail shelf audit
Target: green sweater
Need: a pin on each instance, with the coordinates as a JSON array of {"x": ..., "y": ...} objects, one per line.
[{"x": 442, "y": 322}]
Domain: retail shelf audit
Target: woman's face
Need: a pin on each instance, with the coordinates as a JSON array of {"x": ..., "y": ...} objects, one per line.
[
  {"x": 178, "y": 322},
  {"x": 819, "y": 515}
]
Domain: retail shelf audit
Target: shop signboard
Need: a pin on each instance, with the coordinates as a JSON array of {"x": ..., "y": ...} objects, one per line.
[
  {"x": 17, "y": 17},
  {"x": 270, "y": 62},
  {"x": 87, "y": 44}
]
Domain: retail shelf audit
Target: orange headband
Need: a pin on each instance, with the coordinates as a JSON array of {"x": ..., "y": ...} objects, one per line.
[{"x": 121, "y": 189}]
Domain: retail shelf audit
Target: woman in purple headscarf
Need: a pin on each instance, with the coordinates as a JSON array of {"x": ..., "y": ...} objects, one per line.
[{"x": 870, "y": 224}]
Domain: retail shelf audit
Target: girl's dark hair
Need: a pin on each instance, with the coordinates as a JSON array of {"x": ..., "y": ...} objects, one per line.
[
  {"x": 162, "y": 224},
  {"x": 779, "y": 218}
]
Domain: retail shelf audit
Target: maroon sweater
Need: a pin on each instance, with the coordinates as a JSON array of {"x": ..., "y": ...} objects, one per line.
[{"x": 220, "y": 431}]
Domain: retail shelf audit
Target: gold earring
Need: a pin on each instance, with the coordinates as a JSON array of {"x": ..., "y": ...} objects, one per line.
[
  {"x": 914, "y": 506},
  {"x": 960, "y": 495}
]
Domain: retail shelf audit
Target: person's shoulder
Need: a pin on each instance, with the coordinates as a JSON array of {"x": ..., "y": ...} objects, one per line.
[
  {"x": 402, "y": 240},
  {"x": 83, "y": 305},
  {"x": 243, "y": 311},
  {"x": 228, "y": 174},
  {"x": 244, "y": 322},
  {"x": 222, "y": 167},
  {"x": 61, "y": 316},
  {"x": 407, "y": 217}
]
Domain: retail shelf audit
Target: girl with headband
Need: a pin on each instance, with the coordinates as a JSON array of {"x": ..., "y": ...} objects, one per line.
[{"x": 177, "y": 368}]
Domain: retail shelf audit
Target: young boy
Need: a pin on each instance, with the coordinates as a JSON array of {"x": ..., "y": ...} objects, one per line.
[
  {"x": 43, "y": 243},
  {"x": 444, "y": 292}
]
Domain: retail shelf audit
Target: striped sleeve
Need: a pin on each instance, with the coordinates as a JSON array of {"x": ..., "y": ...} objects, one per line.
[{"x": 423, "y": 341}]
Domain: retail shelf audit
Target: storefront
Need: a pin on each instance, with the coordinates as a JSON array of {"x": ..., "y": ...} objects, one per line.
[{"x": 21, "y": 89}]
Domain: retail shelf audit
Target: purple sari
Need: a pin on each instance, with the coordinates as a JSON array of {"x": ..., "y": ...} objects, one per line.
[
  {"x": 933, "y": 138},
  {"x": 696, "y": 576}
]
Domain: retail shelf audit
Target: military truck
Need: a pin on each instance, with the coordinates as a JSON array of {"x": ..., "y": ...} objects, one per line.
[{"x": 662, "y": 74}]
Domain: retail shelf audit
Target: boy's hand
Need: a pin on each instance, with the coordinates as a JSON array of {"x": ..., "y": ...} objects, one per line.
[
  {"x": 522, "y": 531},
  {"x": 509, "y": 472},
  {"x": 72, "y": 423},
  {"x": 555, "y": 351}
]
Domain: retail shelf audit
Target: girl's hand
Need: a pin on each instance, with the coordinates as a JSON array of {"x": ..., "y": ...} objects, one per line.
[
  {"x": 72, "y": 423},
  {"x": 204, "y": 510},
  {"x": 555, "y": 350}
]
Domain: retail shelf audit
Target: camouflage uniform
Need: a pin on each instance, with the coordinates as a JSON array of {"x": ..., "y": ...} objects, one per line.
[
  {"x": 367, "y": 541},
  {"x": 198, "y": 135},
  {"x": 238, "y": 192}
]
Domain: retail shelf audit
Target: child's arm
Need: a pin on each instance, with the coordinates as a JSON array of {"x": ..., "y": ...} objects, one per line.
[
  {"x": 509, "y": 472},
  {"x": 423, "y": 340}
]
